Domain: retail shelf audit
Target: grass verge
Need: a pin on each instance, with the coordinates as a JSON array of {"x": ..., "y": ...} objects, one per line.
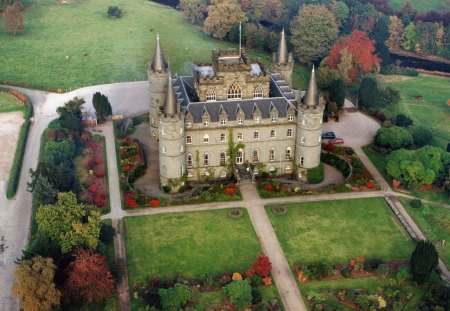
[{"x": 336, "y": 231}]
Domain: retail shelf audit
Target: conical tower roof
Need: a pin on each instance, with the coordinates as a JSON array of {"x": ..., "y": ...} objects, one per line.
[
  {"x": 311, "y": 97},
  {"x": 170, "y": 106},
  {"x": 282, "y": 53},
  {"x": 158, "y": 62}
]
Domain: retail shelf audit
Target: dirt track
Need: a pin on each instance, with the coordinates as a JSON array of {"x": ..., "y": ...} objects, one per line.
[{"x": 9, "y": 133}]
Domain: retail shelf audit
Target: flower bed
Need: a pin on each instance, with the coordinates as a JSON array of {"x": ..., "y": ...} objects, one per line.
[{"x": 132, "y": 166}]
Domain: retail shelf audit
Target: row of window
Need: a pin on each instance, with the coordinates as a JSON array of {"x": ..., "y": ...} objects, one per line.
[
  {"x": 240, "y": 136},
  {"x": 235, "y": 92},
  {"x": 240, "y": 120},
  {"x": 239, "y": 157}
]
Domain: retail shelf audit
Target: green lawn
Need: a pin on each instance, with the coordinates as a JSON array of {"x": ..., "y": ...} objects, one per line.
[
  {"x": 101, "y": 50},
  {"x": 431, "y": 110},
  {"x": 9, "y": 103},
  {"x": 336, "y": 231},
  {"x": 192, "y": 244},
  {"x": 434, "y": 222},
  {"x": 419, "y": 5}
]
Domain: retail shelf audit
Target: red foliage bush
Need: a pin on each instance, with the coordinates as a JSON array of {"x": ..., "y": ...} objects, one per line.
[
  {"x": 100, "y": 200},
  {"x": 268, "y": 187},
  {"x": 230, "y": 191},
  {"x": 126, "y": 168},
  {"x": 370, "y": 184},
  {"x": 93, "y": 188},
  {"x": 130, "y": 201},
  {"x": 98, "y": 160},
  {"x": 262, "y": 266},
  {"x": 99, "y": 172},
  {"x": 250, "y": 272},
  {"x": 51, "y": 134},
  {"x": 155, "y": 203},
  {"x": 128, "y": 139}
]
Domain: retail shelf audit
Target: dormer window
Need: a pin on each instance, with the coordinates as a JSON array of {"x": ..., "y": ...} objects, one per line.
[
  {"x": 206, "y": 122},
  {"x": 273, "y": 118},
  {"x": 234, "y": 92},
  {"x": 240, "y": 120},
  {"x": 188, "y": 124},
  {"x": 258, "y": 92},
  {"x": 257, "y": 119},
  {"x": 223, "y": 121},
  {"x": 290, "y": 118},
  {"x": 210, "y": 95}
]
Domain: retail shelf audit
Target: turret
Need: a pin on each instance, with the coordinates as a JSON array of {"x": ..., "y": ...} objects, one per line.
[
  {"x": 158, "y": 74},
  {"x": 309, "y": 129},
  {"x": 172, "y": 151},
  {"x": 282, "y": 61}
]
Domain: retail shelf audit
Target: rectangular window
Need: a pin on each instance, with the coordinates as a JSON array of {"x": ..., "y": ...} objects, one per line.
[
  {"x": 290, "y": 117},
  {"x": 188, "y": 124},
  {"x": 273, "y": 118},
  {"x": 240, "y": 136},
  {"x": 257, "y": 119},
  {"x": 223, "y": 121},
  {"x": 289, "y": 133},
  {"x": 223, "y": 137},
  {"x": 206, "y": 122},
  {"x": 272, "y": 155},
  {"x": 240, "y": 121},
  {"x": 188, "y": 139},
  {"x": 256, "y": 135}
]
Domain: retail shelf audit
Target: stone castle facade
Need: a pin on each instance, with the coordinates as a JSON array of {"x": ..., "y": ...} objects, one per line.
[{"x": 233, "y": 107}]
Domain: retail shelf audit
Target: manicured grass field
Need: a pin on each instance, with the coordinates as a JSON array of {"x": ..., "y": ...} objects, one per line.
[
  {"x": 434, "y": 221},
  {"x": 9, "y": 103},
  {"x": 100, "y": 49},
  {"x": 336, "y": 231},
  {"x": 431, "y": 109},
  {"x": 192, "y": 244},
  {"x": 419, "y": 5}
]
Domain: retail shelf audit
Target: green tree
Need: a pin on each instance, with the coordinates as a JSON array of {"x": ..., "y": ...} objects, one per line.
[
  {"x": 388, "y": 96},
  {"x": 341, "y": 11},
  {"x": 222, "y": 16},
  {"x": 34, "y": 284},
  {"x": 57, "y": 152},
  {"x": 368, "y": 94},
  {"x": 409, "y": 37},
  {"x": 194, "y": 10},
  {"x": 102, "y": 106},
  {"x": 175, "y": 298},
  {"x": 60, "y": 176},
  {"x": 380, "y": 34},
  {"x": 393, "y": 138},
  {"x": 68, "y": 223},
  {"x": 13, "y": 18},
  {"x": 43, "y": 190},
  {"x": 240, "y": 293},
  {"x": 403, "y": 120},
  {"x": 313, "y": 30},
  {"x": 70, "y": 114},
  {"x": 423, "y": 260},
  {"x": 337, "y": 92},
  {"x": 395, "y": 40}
]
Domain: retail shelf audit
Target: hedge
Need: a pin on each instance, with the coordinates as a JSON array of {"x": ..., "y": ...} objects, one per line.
[
  {"x": 315, "y": 175},
  {"x": 16, "y": 168},
  {"x": 335, "y": 161}
]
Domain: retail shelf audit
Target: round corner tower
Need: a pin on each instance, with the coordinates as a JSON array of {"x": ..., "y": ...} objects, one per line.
[
  {"x": 158, "y": 77},
  {"x": 283, "y": 62},
  {"x": 309, "y": 129},
  {"x": 172, "y": 151}
]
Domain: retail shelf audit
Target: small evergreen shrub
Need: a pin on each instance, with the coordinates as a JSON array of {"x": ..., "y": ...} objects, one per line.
[
  {"x": 114, "y": 12},
  {"x": 416, "y": 203},
  {"x": 315, "y": 175}
]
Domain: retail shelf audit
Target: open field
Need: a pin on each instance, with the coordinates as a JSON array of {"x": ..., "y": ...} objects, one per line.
[
  {"x": 100, "y": 49},
  {"x": 189, "y": 243},
  {"x": 424, "y": 99},
  {"x": 336, "y": 231},
  {"x": 419, "y": 5},
  {"x": 434, "y": 222},
  {"x": 9, "y": 102}
]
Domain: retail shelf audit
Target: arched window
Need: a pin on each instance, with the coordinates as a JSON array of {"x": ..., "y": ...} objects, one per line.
[
  {"x": 234, "y": 92},
  {"x": 223, "y": 137},
  {"x": 206, "y": 138},
  {"x": 301, "y": 160},
  {"x": 255, "y": 156},
  {"x": 288, "y": 153},
  {"x": 273, "y": 134},
  {"x": 189, "y": 139},
  {"x": 210, "y": 95},
  {"x": 289, "y": 133},
  {"x": 222, "y": 158},
  {"x": 205, "y": 159},
  {"x": 163, "y": 149},
  {"x": 189, "y": 160},
  {"x": 302, "y": 140},
  {"x": 258, "y": 92},
  {"x": 272, "y": 154}
]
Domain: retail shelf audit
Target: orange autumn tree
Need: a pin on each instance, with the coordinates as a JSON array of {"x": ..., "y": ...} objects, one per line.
[
  {"x": 89, "y": 278},
  {"x": 353, "y": 56}
]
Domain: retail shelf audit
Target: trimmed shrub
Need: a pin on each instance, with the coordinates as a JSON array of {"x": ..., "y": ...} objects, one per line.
[
  {"x": 423, "y": 260},
  {"x": 114, "y": 12},
  {"x": 416, "y": 203},
  {"x": 403, "y": 120},
  {"x": 422, "y": 135},
  {"x": 315, "y": 175}
]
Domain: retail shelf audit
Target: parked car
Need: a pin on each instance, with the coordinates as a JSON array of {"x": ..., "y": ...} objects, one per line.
[
  {"x": 328, "y": 135},
  {"x": 336, "y": 141}
]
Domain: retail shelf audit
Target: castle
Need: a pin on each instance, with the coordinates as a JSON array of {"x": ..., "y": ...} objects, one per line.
[{"x": 233, "y": 107}]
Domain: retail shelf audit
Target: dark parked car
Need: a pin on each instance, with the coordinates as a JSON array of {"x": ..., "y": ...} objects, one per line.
[{"x": 328, "y": 135}]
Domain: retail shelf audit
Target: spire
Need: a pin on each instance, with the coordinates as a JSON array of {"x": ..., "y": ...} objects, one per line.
[
  {"x": 170, "y": 106},
  {"x": 311, "y": 97},
  {"x": 158, "y": 62},
  {"x": 282, "y": 54}
]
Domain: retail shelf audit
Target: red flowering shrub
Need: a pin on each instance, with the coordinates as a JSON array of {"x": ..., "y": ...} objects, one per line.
[
  {"x": 268, "y": 187},
  {"x": 99, "y": 172},
  {"x": 100, "y": 199},
  {"x": 230, "y": 191},
  {"x": 126, "y": 168},
  {"x": 128, "y": 139},
  {"x": 98, "y": 161},
  {"x": 130, "y": 201},
  {"x": 155, "y": 203},
  {"x": 267, "y": 281},
  {"x": 370, "y": 184},
  {"x": 93, "y": 188},
  {"x": 250, "y": 272},
  {"x": 262, "y": 266}
]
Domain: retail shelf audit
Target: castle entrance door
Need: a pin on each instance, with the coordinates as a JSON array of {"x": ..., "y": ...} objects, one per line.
[{"x": 240, "y": 156}]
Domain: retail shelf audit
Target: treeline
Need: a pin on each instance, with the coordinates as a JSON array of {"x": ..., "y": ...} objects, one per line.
[{"x": 422, "y": 33}]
